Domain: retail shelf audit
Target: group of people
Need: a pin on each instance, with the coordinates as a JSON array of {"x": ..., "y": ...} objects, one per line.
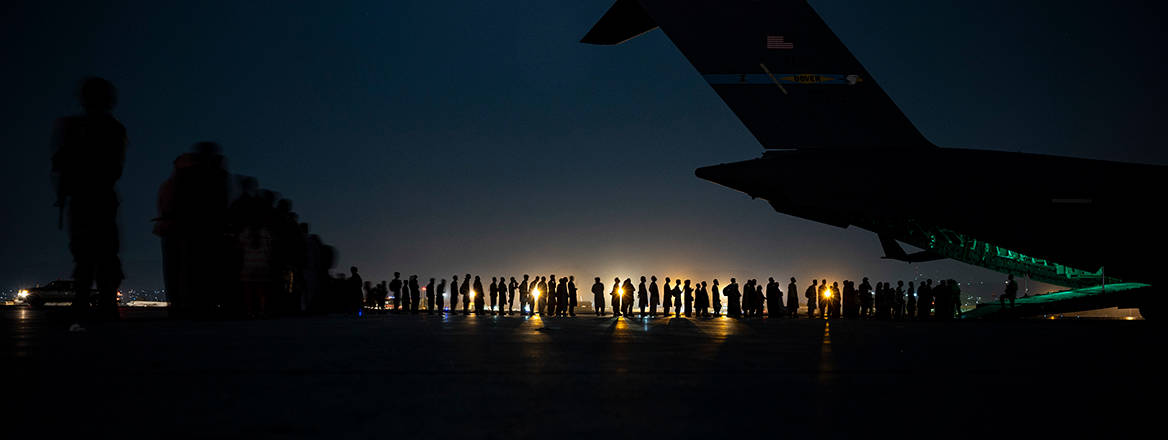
[
  {"x": 552, "y": 296},
  {"x": 884, "y": 301},
  {"x": 232, "y": 248}
]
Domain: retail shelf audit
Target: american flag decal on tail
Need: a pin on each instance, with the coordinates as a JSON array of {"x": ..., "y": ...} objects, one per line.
[{"x": 777, "y": 42}]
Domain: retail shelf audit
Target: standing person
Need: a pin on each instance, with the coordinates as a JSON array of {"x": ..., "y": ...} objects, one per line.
[
  {"x": 395, "y": 287},
  {"x": 774, "y": 298},
  {"x": 430, "y": 297},
  {"x": 924, "y": 299},
  {"x": 627, "y": 298},
  {"x": 865, "y": 294},
  {"x": 551, "y": 296},
  {"x": 677, "y": 298},
  {"x": 616, "y": 300},
  {"x": 689, "y": 299},
  {"x": 703, "y": 300},
  {"x": 734, "y": 309},
  {"x": 494, "y": 289},
  {"x": 793, "y": 298},
  {"x": 598, "y": 296},
  {"x": 524, "y": 300},
  {"x": 716, "y": 296},
  {"x": 542, "y": 294},
  {"x": 572, "y": 297},
  {"x": 668, "y": 297},
  {"x": 823, "y": 299},
  {"x": 454, "y": 291},
  {"x": 836, "y": 300},
  {"x": 654, "y": 296},
  {"x": 415, "y": 294},
  {"x": 466, "y": 294},
  {"x": 512, "y": 287},
  {"x": 1011, "y": 292},
  {"x": 478, "y": 296},
  {"x": 440, "y": 296},
  {"x": 642, "y": 296},
  {"x": 562, "y": 298},
  {"x": 910, "y": 305},
  {"x": 89, "y": 155},
  {"x": 812, "y": 295}
]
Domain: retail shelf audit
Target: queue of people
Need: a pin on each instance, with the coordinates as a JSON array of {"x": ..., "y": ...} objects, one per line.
[
  {"x": 552, "y": 296},
  {"x": 232, "y": 248}
]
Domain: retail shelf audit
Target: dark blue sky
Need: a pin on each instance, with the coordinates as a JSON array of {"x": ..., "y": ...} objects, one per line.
[{"x": 468, "y": 136}]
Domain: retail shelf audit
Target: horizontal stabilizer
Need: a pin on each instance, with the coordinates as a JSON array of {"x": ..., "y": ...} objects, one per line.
[
  {"x": 625, "y": 20},
  {"x": 893, "y": 251}
]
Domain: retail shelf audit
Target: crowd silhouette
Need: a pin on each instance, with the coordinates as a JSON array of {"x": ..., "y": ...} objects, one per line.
[
  {"x": 231, "y": 248},
  {"x": 558, "y": 297}
]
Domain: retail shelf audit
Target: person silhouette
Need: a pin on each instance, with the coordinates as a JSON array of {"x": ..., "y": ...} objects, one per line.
[
  {"x": 667, "y": 299},
  {"x": 1011, "y": 292},
  {"x": 627, "y": 292},
  {"x": 477, "y": 294},
  {"x": 454, "y": 291},
  {"x": 677, "y": 298},
  {"x": 542, "y": 293},
  {"x": 910, "y": 304},
  {"x": 642, "y": 296},
  {"x": 793, "y": 298},
  {"x": 733, "y": 299},
  {"x": 716, "y": 298},
  {"x": 430, "y": 297},
  {"x": 572, "y": 299},
  {"x": 415, "y": 294},
  {"x": 440, "y": 296},
  {"x": 702, "y": 300},
  {"x": 512, "y": 287},
  {"x": 654, "y": 296},
  {"x": 89, "y": 155},
  {"x": 774, "y": 299},
  {"x": 562, "y": 298},
  {"x": 524, "y": 291},
  {"x": 689, "y": 299},
  {"x": 812, "y": 295},
  {"x": 616, "y": 298},
  {"x": 395, "y": 287},
  {"x": 494, "y": 292},
  {"x": 551, "y": 296},
  {"x": 598, "y": 296},
  {"x": 466, "y": 294}
]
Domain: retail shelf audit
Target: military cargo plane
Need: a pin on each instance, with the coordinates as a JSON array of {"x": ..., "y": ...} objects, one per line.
[{"x": 814, "y": 107}]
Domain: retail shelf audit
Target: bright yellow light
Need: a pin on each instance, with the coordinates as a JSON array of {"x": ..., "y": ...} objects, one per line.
[
  {"x": 472, "y": 293},
  {"x": 827, "y": 293},
  {"x": 536, "y": 293},
  {"x": 22, "y": 293}
]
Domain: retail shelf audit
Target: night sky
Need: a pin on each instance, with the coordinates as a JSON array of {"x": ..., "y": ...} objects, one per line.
[{"x": 467, "y": 136}]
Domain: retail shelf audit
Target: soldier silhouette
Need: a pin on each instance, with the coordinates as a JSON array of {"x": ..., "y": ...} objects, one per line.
[
  {"x": 478, "y": 296},
  {"x": 89, "y": 152},
  {"x": 466, "y": 294},
  {"x": 598, "y": 296}
]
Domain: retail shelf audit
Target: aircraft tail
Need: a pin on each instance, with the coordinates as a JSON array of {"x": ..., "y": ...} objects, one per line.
[{"x": 778, "y": 67}]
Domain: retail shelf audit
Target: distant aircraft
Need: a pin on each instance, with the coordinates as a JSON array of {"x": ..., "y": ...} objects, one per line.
[{"x": 839, "y": 151}]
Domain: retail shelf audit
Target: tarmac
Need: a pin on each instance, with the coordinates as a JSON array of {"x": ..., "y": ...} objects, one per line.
[{"x": 435, "y": 376}]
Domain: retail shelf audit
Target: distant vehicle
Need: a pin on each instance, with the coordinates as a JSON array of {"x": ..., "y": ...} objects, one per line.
[{"x": 59, "y": 291}]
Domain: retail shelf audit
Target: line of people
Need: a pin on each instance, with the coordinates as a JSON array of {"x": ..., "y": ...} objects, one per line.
[{"x": 552, "y": 296}]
